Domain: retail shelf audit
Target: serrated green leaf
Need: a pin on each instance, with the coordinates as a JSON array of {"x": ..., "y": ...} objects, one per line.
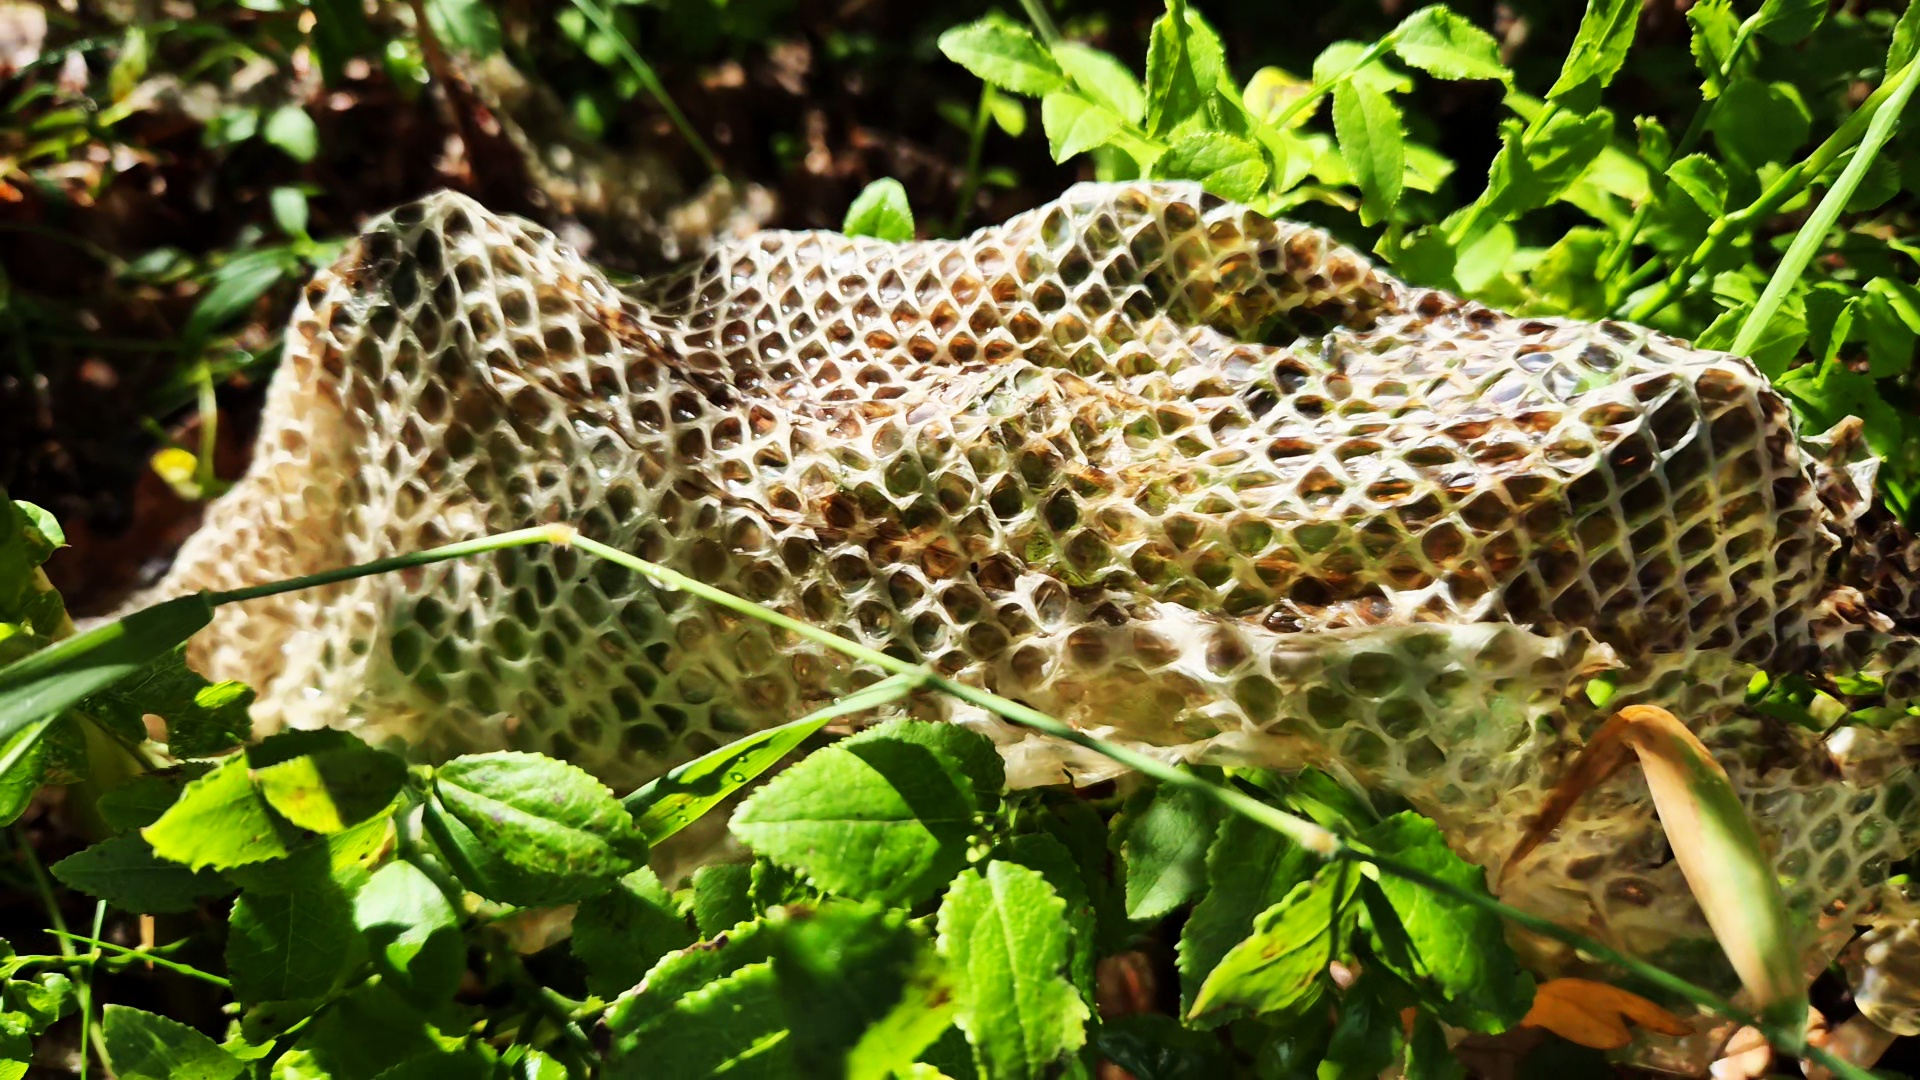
[
  {"x": 412, "y": 934},
  {"x": 291, "y": 944},
  {"x": 621, "y": 933},
  {"x": 1075, "y": 125},
  {"x": 1228, "y": 166},
  {"x": 1048, "y": 857},
  {"x": 52, "y": 536},
  {"x": 1447, "y": 46},
  {"x": 202, "y": 717},
  {"x": 1163, "y": 837},
  {"x": 1905, "y": 40},
  {"x": 864, "y": 992},
  {"x": 704, "y": 1010},
  {"x": 1459, "y": 950},
  {"x": 1103, "y": 79},
  {"x": 1701, "y": 179},
  {"x": 1278, "y": 966},
  {"x": 333, "y": 788},
  {"x": 145, "y": 1046},
  {"x": 139, "y": 802},
  {"x": 1185, "y": 63},
  {"x": 1367, "y": 124},
  {"x": 293, "y": 131},
  {"x": 972, "y": 751},
  {"x": 1250, "y": 868},
  {"x": 883, "y": 819},
  {"x": 1714, "y": 27},
  {"x": 220, "y": 821},
  {"x": 551, "y": 822},
  {"x": 880, "y": 211},
  {"x": 1005, "y": 938},
  {"x": 1531, "y": 172},
  {"x": 1005, "y": 54},
  {"x": 680, "y": 973},
  {"x": 124, "y": 871},
  {"x": 1599, "y": 48}
]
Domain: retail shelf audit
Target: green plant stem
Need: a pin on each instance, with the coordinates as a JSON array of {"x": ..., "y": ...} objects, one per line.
[
  {"x": 1814, "y": 232},
  {"x": 144, "y": 956},
  {"x": 1696, "y": 128},
  {"x": 976, "y": 148},
  {"x": 550, "y": 1003},
  {"x": 1301, "y": 831},
  {"x": 1042, "y": 22},
  {"x": 1321, "y": 87},
  {"x": 1783, "y": 188},
  {"x": 90, "y": 1036},
  {"x": 543, "y": 534},
  {"x": 651, "y": 81}
]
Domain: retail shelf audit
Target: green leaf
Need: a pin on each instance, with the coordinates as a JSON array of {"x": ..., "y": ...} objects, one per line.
[
  {"x": 722, "y": 897},
  {"x": 469, "y": 26},
  {"x": 551, "y": 822},
  {"x": 1278, "y": 966},
  {"x": 52, "y": 536},
  {"x": 882, "y": 819},
  {"x": 1447, "y": 46},
  {"x": 864, "y": 993},
  {"x": 1428, "y": 1055},
  {"x": 26, "y": 599},
  {"x": 293, "y": 131},
  {"x": 1185, "y": 64},
  {"x": 1567, "y": 277},
  {"x": 466, "y": 1063},
  {"x": 244, "y": 279},
  {"x": 1889, "y": 321},
  {"x": 203, "y": 718},
  {"x": 1250, "y": 868},
  {"x": 1714, "y": 28},
  {"x": 1599, "y": 48},
  {"x": 1755, "y": 122},
  {"x": 365, "y": 1032},
  {"x": 1226, "y": 165},
  {"x": 972, "y": 751},
  {"x": 1703, "y": 181},
  {"x": 1905, "y": 40},
  {"x": 1367, "y": 124},
  {"x": 1103, "y": 79},
  {"x": 704, "y": 1010},
  {"x": 291, "y": 944},
  {"x": 622, "y": 932},
  {"x": 333, "y": 787},
  {"x": 1075, "y": 125},
  {"x": 412, "y": 934},
  {"x": 1531, "y": 172},
  {"x": 57, "y": 677},
  {"x": 23, "y": 767},
  {"x": 1005, "y": 54},
  {"x": 1458, "y": 949},
  {"x": 145, "y": 1046},
  {"x": 685, "y": 794},
  {"x": 1006, "y": 940},
  {"x": 1048, "y": 857},
  {"x": 124, "y": 871},
  {"x": 1163, "y": 837},
  {"x": 221, "y": 821},
  {"x": 1789, "y": 21},
  {"x": 289, "y": 205},
  {"x": 1156, "y": 1047},
  {"x": 880, "y": 211},
  {"x": 1366, "y": 1038}
]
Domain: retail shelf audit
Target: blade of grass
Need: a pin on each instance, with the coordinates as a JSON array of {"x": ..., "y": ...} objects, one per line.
[
  {"x": 1814, "y": 232},
  {"x": 645, "y": 73}
]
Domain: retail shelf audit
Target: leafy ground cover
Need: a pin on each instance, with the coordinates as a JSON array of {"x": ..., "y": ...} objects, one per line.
[{"x": 188, "y": 904}]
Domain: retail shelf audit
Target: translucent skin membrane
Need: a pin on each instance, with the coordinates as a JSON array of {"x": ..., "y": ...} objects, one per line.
[{"x": 1184, "y": 476}]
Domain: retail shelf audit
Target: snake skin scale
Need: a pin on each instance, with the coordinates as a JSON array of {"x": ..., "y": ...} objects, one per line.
[{"x": 1194, "y": 480}]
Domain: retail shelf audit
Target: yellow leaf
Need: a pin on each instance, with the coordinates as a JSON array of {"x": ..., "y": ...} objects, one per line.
[{"x": 1597, "y": 1015}]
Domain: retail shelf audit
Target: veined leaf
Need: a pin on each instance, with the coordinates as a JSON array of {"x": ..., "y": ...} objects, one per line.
[
  {"x": 221, "y": 821},
  {"x": 1004, "y": 54},
  {"x": 1185, "y": 63},
  {"x": 619, "y": 934},
  {"x": 1447, "y": 46},
  {"x": 1789, "y": 21},
  {"x": 1225, "y": 165},
  {"x": 1103, "y": 79},
  {"x": 412, "y": 934},
  {"x": 23, "y": 761},
  {"x": 1163, "y": 836},
  {"x": 863, "y": 991},
  {"x": 291, "y": 944},
  {"x": 1703, "y": 181},
  {"x": 1277, "y": 967},
  {"x": 57, "y": 677},
  {"x": 1005, "y": 936},
  {"x": 1250, "y": 868},
  {"x": 880, "y": 211},
  {"x": 1599, "y": 48},
  {"x": 146, "y": 1046},
  {"x": 1367, "y": 123},
  {"x": 332, "y": 788},
  {"x": 561, "y": 830},
  {"x": 1074, "y": 124},
  {"x": 124, "y": 871}
]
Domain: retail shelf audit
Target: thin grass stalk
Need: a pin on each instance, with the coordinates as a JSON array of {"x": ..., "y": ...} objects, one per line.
[
  {"x": 1814, "y": 232},
  {"x": 651, "y": 81}
]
